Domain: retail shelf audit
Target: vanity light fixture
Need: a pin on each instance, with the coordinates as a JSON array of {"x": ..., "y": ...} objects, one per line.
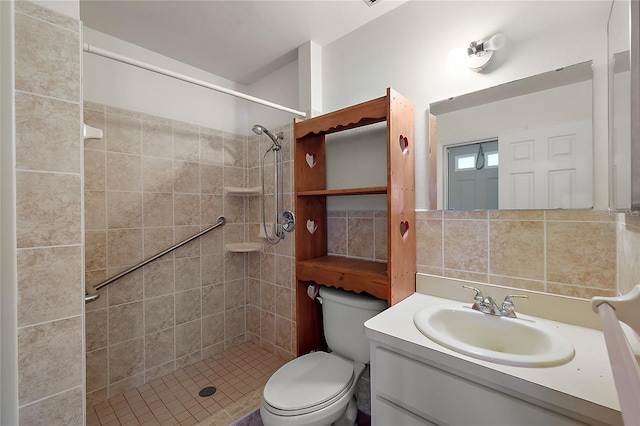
[{"x": 480, "y": 52}]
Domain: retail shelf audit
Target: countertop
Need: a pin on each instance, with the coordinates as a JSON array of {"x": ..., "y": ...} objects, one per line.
[{"x": 583, "y": 385}]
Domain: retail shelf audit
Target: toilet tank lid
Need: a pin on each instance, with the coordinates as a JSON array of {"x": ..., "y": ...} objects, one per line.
[{"x": 359, "y": 300}]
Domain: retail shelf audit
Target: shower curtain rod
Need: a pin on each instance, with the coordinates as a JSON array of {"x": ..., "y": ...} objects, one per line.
[{"x": 125, "y": 60}]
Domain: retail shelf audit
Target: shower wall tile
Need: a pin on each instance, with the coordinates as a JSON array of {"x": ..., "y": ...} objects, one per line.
[
  {"x": 96, "y": 329},
  {"x": 124, "y": 209},
  {"x": 125, "y": 322},
  {"x": 96, "y": 373},
  {"x": 124, "y": 172},
  {"x": 271, "y": 288},
  {"x": 95, "y": 176},
  {"x": 233, "y": 151},
  {"x": 124, "y": 133},
  {"x": 48, "y": 163},
  {"x": 129, "y": 289},
  {"x": 62, "y": 409},
  {"x": 186, "y": 209},
  {"x": 95, "y": 209},
  {"x": 47, "y": 58},
  {"x": 156, "y": 240},
  {"x": 126, "y": 360},
  {"x": 188, "y": 338},
  {"x": 159, "y": 313},
  {"x": 124, "y": 247},
  {"x": 234, "y": 294},
  {"x": 213, "y": 207},
  {"x": 186, "y": 142},
  {"x": 187, "y": 274},
  {"x": 49, "y": 359},
  {"x": 157, "y": 175},
  {"x": 213, "y": 330},
  {"x": 46, "y": 15},
  {"x": 47, "y": 134},
  {"x": 47, "y": 284},
  {"x": 157, "y": 139},
  {"x": 188, "y": 306},
  {"x": 234, "y": 323},
  {"x": 211, "y": 147},
  {"x": 211, "y": 179},
  {"x": 49, "y": 209},
  {"x": 186, "y": 177},
  {"x": 158, "y": 209},
  {"x": 159, "y": 348}
]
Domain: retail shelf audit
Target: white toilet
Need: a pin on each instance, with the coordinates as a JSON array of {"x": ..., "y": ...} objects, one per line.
[{"x": 318, "y": 389}]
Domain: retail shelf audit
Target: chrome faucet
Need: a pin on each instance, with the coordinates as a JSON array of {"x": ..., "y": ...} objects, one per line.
[{"x": 487, "y": 305}]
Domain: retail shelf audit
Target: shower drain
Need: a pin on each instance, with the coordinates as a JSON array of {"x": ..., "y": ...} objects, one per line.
[{"x": 208, "y": 391}]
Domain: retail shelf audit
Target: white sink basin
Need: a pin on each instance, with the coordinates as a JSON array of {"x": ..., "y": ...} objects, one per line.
[{"x": 520, "y": 342}]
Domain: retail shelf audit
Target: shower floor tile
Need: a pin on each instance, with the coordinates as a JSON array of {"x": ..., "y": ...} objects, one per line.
[{"x": 239, "y": 375}]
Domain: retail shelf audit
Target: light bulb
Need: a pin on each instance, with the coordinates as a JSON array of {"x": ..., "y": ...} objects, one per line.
[{"x": 496, "y": 42}]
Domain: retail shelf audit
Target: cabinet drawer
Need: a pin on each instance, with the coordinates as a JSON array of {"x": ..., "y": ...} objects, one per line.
[
  {"x": 387, "y": 413},
  {"x": 435, "y": 394}
]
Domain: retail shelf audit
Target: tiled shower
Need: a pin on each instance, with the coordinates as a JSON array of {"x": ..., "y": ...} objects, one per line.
[{"x": 150, "y": 183}]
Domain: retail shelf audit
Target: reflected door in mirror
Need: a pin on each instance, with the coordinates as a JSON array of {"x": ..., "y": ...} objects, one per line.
[{"x": 547, "y": 167}]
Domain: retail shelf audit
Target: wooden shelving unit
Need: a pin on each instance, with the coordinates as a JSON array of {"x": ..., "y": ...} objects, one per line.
[{"x": 391, "y": 281}]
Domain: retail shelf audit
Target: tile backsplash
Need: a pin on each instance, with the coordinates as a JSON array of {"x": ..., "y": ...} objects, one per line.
[{"x": 565, "y": 252}]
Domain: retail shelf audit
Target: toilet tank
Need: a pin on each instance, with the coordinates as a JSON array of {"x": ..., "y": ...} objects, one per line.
[{"x": 343, "y": 315}]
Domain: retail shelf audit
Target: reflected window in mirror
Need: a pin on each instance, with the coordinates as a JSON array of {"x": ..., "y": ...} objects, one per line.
[{"x": 544, "y": 133}]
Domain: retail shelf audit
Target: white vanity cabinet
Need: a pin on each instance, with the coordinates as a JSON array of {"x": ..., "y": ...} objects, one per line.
[
  {"x": 410, "y": 391},
  {"x": 415, "y": 381}
]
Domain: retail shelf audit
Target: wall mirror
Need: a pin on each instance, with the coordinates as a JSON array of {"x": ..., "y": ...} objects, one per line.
[
  {"x": 525, "y": 144},
  {"x": 623, "y": 44}
]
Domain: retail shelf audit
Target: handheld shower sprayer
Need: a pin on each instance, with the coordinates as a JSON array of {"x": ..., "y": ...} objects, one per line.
[
  {"x": 259, "y": 130},
  {"x": 287, "y": 221}
]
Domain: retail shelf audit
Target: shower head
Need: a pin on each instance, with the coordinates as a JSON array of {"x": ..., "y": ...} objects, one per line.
[{"x": 258, "y": 130}]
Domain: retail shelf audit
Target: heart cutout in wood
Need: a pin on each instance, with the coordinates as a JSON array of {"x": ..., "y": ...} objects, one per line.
[
  {"x": 311, "y": 226},
  {"x": 404, "y": 229},
  {"x": 311, "y": 160},
  {"x": 404, "y": 144}
]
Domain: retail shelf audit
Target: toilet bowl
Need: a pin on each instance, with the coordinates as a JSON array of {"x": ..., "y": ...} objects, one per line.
[{"x": 317, "y": 389}]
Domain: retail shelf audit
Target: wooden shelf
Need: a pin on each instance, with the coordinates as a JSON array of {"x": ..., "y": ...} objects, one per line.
[
  {"x": 391, "y": 281},
  {"x": 370, "y": 112},
  {"x": 356, "y": 275},
  {"x": 347, "y": 191}
]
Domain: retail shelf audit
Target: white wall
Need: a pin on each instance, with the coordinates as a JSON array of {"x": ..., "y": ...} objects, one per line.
[
  {"x": 113, "y": 83},
  {"x": 280, "y": 87},
  {"x": 407, "y": 49}
]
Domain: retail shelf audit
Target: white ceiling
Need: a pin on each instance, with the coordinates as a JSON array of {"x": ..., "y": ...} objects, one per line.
[{"x": 241, "y": 40}]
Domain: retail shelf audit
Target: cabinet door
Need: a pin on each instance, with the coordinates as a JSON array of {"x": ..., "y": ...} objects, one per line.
[
  {"x": 449, "y": 399},
  {"x": 387, "y": 414}
]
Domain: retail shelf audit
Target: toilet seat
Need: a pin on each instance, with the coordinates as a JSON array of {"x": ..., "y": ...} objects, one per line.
[{"x": 308, "y": 384}]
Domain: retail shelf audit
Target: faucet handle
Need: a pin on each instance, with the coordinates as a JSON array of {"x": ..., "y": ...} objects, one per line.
[
  {"x": 478, "y": 298},
  {"x": 507, "y": 309}
]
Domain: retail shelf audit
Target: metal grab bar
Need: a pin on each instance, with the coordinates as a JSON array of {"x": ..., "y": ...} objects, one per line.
[{"x": 91, "y": 292}]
